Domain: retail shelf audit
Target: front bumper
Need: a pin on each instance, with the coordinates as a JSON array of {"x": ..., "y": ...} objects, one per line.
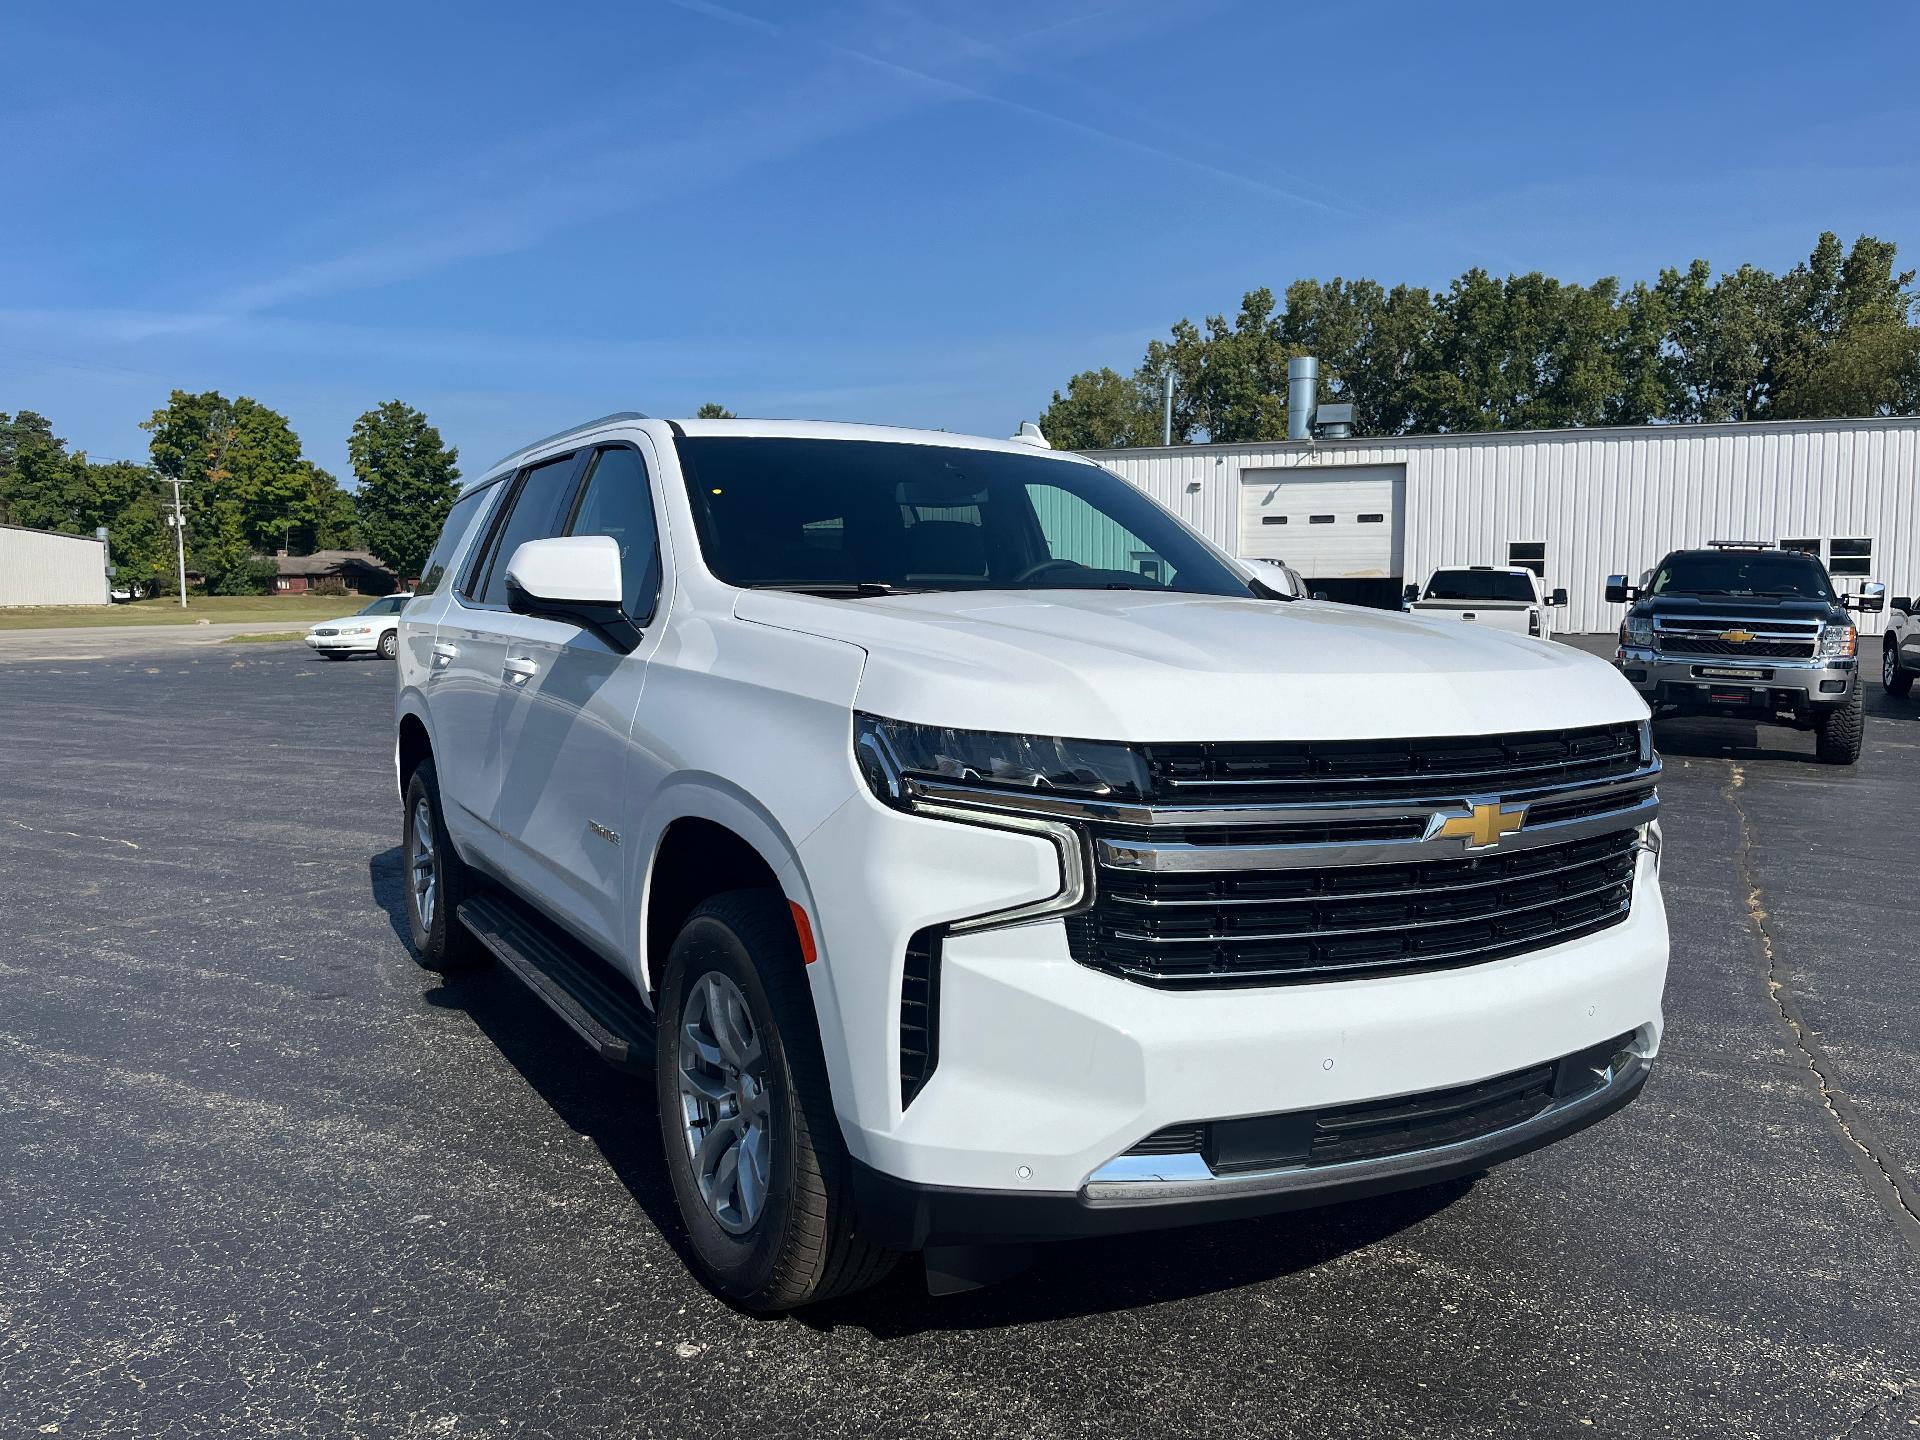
[
  {"x": 356, "y": 643},
  {"x": 905, "y": 1216},
  {"x": 1049, "y": 1069},
  {"x": 1727, "y": 683}
]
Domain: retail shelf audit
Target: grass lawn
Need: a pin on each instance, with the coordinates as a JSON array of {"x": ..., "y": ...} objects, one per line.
[{"x": 284, "y": 610}]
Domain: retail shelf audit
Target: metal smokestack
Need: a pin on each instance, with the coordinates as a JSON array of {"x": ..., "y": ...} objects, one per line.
[{"x": 1303, "y": 381}]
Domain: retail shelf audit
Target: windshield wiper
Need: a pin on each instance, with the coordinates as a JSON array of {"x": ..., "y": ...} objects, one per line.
[{"x": 855, "y": 589}]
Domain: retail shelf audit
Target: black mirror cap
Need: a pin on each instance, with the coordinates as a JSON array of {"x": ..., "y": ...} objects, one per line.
[
  {"x": 1867, "y": 603},
  {"x": 1902, "y": 603},
  {"x": 1559, "y": 596},
  {"x": 606, "y": 618},
  {"x": 1410, "y": 594},
  {"x": 1319, "y": 594},
  {"x": 1621, "y": 593}
]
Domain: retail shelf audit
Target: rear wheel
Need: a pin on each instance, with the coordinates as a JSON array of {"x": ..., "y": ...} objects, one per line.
[
  {"x": 752, "y": 1144},
  {"x": 1839, "y": 731},
  {"x": 1896, "y": 680},
  {"x": 437, "y": 881}
]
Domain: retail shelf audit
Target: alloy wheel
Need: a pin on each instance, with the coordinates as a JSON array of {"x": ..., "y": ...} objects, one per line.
[
  {"x": 421, "y": 864},
  {"x": 726, "y": 1110},
  {"x": 1889, "y": 664}
]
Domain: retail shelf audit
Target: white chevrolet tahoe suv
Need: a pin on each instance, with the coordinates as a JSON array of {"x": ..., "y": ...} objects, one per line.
[{"x": 975, "y": 856}]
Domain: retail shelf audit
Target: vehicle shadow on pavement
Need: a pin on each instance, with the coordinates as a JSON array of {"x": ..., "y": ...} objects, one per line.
[
  {"x": 1710, "y": 739},
  {"x": 1089, "y": 1277}
]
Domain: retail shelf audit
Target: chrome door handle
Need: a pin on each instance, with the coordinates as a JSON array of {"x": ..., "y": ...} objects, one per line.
[{"x": 520, "y": 668}]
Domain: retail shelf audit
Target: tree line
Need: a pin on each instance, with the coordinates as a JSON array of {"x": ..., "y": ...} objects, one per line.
[
  {"x": 1834, "y": 336},
  {"x": 248, "y": 491}
]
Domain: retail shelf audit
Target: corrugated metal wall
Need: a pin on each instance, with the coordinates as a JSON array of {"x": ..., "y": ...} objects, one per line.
[
  {"x": 41, "y": 569},
  {"x": 1600, "y": 500}
]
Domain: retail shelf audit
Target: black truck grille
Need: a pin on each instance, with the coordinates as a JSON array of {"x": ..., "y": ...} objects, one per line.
[
  {"x": 1373, "y": 1129},
  {"x": 1274, "y": 927},
  {"x": 1670, "y": 644},
  {"x": 1350, "y": 770}
]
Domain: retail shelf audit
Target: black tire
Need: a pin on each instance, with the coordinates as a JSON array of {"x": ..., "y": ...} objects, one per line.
[
  {"x": 799, "y": 1247},
  {"x": 1896, "y": 680},
  {"x": 440, "y": 941},
  {"x": 1840, "y": 730},
  {"x": 389, "y": 644}
]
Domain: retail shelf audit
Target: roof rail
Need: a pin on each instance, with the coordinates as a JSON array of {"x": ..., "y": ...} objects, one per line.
[{"x": 593, "y": 424}]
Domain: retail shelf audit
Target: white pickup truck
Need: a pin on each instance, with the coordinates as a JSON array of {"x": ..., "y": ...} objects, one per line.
[
  {"x": 973, "y": 855},
  {"x": 1505, "y": 598}
]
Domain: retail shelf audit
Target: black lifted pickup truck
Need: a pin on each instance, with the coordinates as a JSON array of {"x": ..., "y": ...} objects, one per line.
[{"x": 1749, "y": 630}]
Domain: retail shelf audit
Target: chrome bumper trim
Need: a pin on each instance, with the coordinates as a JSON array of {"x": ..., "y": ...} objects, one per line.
[{"x": 1163, "y": 1179}]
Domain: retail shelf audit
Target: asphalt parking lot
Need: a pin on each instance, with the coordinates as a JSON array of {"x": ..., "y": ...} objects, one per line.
[{"x": 260, "y": 1175}]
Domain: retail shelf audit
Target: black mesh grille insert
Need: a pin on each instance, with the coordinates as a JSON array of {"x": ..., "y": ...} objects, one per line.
[
  {"x": 919, "y": 1014},
  {"x": 1267, "y": 927},
  {"x": 1759, "y": 649},
  {"x": 1337, "y": 770}
]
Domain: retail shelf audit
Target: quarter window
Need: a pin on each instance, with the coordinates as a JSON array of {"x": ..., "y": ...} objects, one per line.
[
  {"x": 1850, "y": 557},
  {"x": 1320, "y": 519},
  {"x": 618, "y": 501},
  {"x": 452, "y": 532},
  {"x": 1273, "y": 519}
]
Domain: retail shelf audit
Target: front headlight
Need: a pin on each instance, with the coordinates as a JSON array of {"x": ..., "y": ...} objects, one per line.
[
  {"x": 1637, "y": 631},
  {"x": 893, "y": 753},
  {"x": 1838, "y": 642}
]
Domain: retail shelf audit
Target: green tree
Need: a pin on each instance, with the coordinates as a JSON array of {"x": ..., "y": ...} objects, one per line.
[
  {"x": 712, "y": 411},
  {"x": 246, "y": 485},
  {"x": 408, "y": 481},
  {"x": 1102, "y": 410}
]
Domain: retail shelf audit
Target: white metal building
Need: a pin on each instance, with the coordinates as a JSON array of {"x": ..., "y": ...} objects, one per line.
[
  {"x": 38, "y": 567},
  {"x": 1360, "y": 516}
]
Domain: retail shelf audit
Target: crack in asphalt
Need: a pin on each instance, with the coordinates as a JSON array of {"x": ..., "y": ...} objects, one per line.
[{"x": 1890, "y": 1187}]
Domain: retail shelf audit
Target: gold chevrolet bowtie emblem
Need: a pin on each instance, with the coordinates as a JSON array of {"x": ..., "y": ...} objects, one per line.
[
  {"x": 1481, "y": 827},
  {"x": 1736, "y": 637}
]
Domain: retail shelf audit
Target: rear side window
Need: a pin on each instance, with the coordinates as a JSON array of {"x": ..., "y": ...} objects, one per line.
[
  {"x": 618, "y": 501},
  {"x": 452, "y": 534},
  {"x": 540, "y": 508}
]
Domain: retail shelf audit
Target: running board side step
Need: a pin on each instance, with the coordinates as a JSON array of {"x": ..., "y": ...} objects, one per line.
[{"x": 596, "y": 1003}]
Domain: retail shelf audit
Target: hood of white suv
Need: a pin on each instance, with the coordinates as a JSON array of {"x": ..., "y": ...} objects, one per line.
[{"x": 1131, "y": 665}]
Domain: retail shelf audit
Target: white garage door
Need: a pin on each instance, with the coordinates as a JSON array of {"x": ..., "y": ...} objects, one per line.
[{"x": 1331, "y": 523}]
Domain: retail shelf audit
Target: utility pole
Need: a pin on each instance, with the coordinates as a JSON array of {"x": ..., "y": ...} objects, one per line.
[
  {"x": 1166, "y": 411},
  {"x": 179, "y": 521}
]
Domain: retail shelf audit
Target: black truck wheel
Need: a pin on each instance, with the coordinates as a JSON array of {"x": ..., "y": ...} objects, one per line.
[
  {"x": 1838, "y": 731},
  {"x": 752, "y": 1144},
  {"x": 1897, "y": 680}
]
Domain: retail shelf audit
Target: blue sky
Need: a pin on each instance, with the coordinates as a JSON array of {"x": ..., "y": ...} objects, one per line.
[{"x": 894, "y": 210}]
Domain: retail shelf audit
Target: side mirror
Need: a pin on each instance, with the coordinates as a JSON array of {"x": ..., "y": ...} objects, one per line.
[
  {"x": 1319, "y": 594},
  {"x": 1872, "y": 596},
  {"x": 575, "y": 579},
  {"x": 1901, "y": 603},
  {"x": 1619, "y": 592},
  {"x": 1559, "y": 596},
  {"x": 1409, "y": 595}
]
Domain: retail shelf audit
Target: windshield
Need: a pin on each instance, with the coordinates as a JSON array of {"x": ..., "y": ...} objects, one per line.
[
  {"x": 1741, "y": 572},
  {"x": 1478, "y": 585},
  {"x": 863, "y": 517}
]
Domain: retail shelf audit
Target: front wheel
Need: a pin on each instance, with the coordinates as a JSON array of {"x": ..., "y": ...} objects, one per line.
[
  {"x": 437, "y": 880},
  {"x": 1896, "y": 680},
  {"x": 1839, "y": 731},
  {"x": 389, "y": 645},
  {"x": 752, "y": 1144}
]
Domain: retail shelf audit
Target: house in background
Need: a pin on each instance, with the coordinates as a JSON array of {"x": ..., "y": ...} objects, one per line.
[{"x": 339, "y": 572}]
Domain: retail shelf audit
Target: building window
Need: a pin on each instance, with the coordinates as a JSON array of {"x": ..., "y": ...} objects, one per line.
[
  {"x": 1273, "y": 519},
  {"x": 1319, "y": 519},
  {"x": 1850, "y": 557},
  {"x": 1370, "y": 519},
  {"x": 1805, "y": 547},
  {"x": 1529, "y": 555}
]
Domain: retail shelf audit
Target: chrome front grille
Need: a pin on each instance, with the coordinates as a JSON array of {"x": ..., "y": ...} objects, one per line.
[
  {"x": 1268, "y": 864},
  {"x": 1766, "y": 640}
]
